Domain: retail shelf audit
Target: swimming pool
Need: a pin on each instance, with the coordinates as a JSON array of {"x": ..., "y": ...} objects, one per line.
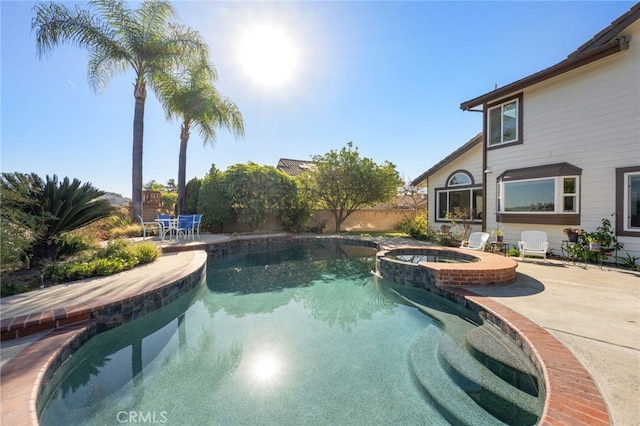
[{"x": 305, "y": 335}]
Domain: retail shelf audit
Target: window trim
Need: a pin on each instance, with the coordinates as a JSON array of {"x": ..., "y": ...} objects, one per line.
[
  {"x": 472, "y": 189},
  {"x": 558, "y": 171},
  {"x": 558, "y": 196},
  {"x": 622, "y": 201},
  {"x": 519, "y": 121}
]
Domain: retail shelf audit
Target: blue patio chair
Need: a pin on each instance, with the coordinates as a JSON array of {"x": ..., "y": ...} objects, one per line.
[
  {"x": 164, "y": 220},
  {"x": 196, "y": 223},
  {"x": 185, "y": 226}
]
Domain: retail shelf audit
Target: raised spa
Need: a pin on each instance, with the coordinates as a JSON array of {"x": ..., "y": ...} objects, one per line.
[{"x": 444, "y": 266}]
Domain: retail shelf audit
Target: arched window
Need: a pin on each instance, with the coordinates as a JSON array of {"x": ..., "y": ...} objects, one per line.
[
  {"x": 461, "y": 195},
  {"x": 460, "y": 178}
]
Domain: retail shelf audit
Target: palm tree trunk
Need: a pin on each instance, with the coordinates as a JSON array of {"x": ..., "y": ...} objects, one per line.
[
  {"x": 140, "y": 94},
  {"x": 182, "y": 166}
]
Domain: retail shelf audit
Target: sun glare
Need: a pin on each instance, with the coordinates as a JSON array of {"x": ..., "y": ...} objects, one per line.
[
  {"x": 266, "y": 368},
  {"x": 268, "y": 56}
]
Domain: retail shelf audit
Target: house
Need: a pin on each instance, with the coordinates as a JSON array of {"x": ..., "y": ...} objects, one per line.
[
  {"x": 293, "y": 167},
  {"x": 560, "y": 148},
  {"x": 456, "y": 182}
]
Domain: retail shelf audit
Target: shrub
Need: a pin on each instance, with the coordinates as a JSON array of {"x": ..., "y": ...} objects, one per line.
[
  {"x": 513, "y": 252},
  {"x": 146, "y": 252},
  {"x": 117, "y": 256},
  {"x": 128, "y": 231},
  {"x": 415, "y": 227}
]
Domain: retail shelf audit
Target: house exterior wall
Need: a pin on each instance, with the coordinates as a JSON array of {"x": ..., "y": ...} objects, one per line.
[
  {"x": 588, "y": 117},
  {"x": 470, "y": 162}
]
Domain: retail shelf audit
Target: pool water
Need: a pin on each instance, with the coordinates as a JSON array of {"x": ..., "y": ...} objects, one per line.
[{"x": 306, "y": 335}]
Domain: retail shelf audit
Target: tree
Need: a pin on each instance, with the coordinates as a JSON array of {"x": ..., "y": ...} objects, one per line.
[
  {"x": 193, "y": 187},
  {"x": 256, "y": 192},
  {"x": 59, "y": 206},
  {"x": 213, "y": 201},
  {"x": 18, "y": 227},
  {"x": 118, "y": 39},
  {"x": 343, "y": 182},
  {"x": 190, "y": 95}
]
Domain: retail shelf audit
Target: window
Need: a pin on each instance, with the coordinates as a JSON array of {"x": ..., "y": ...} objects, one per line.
[
  {"x": 504, "y": 122},
  {"x": 632, "y": 198},
  {"x": 628, "y": 201},
  {"x": 459, "y": 178},
  {"x": 460, "y": 193},
  {"x": 546, "y": 195}
]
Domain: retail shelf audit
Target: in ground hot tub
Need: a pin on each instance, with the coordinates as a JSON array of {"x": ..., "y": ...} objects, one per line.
[{"x": 444, "y": 266}]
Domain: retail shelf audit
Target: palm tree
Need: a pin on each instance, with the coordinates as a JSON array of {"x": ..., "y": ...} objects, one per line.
[
  {"x": 118, "y": 39},
  {"x": 190, "y": 95}
]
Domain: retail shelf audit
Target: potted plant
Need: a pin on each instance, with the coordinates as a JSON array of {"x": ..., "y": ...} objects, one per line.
[
  {"x": 498, "y": 233},
  {"x": 594, "y": 244},
  {"x": 572, "y": 234}
]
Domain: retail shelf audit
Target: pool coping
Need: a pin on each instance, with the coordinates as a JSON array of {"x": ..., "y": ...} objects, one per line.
[{"x": 572, "y": 396}]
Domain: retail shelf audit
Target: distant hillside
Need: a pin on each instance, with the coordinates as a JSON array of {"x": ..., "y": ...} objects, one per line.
[{"x": 116, "y": 199}]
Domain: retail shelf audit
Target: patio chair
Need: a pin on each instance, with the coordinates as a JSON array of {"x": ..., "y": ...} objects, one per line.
[
  {"x": 533, "y": 243},
  {"x": 476, "y": 241},
  {"x": 164, "y": 220},
  {"x": 148, "y": 226},
  {"x": 197, "y": 218},
  {"x": 185, "y": 226}
]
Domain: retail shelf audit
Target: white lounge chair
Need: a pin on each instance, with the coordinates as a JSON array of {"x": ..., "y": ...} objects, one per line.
[
  {"x": 148, "y": 226},
  {"x": 476, "y": 241},
  {"x": 533, "y": 243}
]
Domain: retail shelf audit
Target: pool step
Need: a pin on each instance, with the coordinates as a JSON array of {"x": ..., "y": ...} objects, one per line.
[
  {"x": 499, "y": 353},
  {"x": 452, "y": 401},
  {"x": 500, "y": 398}
]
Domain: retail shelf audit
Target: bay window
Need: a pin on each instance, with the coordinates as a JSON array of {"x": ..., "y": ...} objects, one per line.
[{"x": 548, "y": 194}]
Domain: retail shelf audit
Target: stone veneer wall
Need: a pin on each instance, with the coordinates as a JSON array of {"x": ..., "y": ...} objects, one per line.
[{"x": 480, "y": 268}]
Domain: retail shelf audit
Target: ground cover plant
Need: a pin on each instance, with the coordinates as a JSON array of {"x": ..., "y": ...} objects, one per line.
[{"x": 51, "y": 232}]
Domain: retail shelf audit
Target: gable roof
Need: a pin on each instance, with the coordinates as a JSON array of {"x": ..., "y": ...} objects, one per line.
[
  {"x": 449, "y": 158},
  {"x": 601, "y": 45},
  {"x": 293, "y": 167}
]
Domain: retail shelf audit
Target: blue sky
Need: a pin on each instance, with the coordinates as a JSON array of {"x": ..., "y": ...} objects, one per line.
[{"x": 389, "y": 76}]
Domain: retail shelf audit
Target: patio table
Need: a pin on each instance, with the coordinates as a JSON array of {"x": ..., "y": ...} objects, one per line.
[{"x": 168, "y": 225}]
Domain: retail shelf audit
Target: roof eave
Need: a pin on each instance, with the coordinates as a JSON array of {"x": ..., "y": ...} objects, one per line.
[
  {"x": 477, "y": 139},
  {"x": 614, "y": 46}
]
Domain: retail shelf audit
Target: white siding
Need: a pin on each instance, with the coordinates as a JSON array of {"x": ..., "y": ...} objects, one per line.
[
  {"x": 589, "y": 117},
  {"x": 470, "y": 161}
]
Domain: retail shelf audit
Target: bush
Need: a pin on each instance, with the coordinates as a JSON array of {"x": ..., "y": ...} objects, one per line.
[
  {"x": 513, "y": 252},
  {"x": 415, "y": 227},
  {"x": 117, "y": 256},
  {"x": 146, "y": 252},
  {"x": 128, "y": 231}
]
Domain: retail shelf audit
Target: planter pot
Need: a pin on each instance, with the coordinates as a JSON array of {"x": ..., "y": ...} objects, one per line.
[
  {"x": 594, "y": 246},
  {"x": 573, "y": 237},
  {"x": 500, "y": 238}
]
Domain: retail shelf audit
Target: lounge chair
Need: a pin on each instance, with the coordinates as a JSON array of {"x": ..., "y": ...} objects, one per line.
[
  {"x": 476, "y": 241},
  {"x": 148, "y": 226},
  {"x": 533, "y": 243}
]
